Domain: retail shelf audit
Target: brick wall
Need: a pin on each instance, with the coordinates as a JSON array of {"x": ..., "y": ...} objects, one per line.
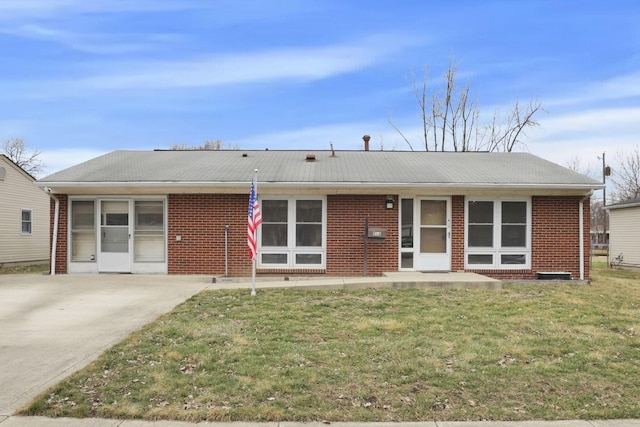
[
  {"x": 457, "y": 233},
  {"x": 345, "y": 227},
  {"x": 61, "y": 250},
  {"x": 200, "y": 220},
  {"x": 555, "y": 241}
]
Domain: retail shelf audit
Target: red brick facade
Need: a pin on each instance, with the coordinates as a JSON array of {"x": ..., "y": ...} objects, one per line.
[{"x": 200, "y": 221}]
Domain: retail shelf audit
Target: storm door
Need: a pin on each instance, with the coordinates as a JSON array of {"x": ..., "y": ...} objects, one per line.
[
  {"x": 115, "y": 237},
  {"x": 433, "y": 245}
]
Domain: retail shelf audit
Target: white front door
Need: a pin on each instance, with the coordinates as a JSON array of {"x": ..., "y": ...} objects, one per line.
[
  {"x": 115, "y": 237},
  {"x": 433, "y": 232}
]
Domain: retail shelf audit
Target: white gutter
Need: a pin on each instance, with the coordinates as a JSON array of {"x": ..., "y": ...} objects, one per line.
[{"x": 315, "y": 184}]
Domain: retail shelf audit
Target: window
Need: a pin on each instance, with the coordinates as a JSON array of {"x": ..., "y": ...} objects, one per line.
[
  {"x": 149, "y": 242},
  {"x": 498, "y": 233},
  {"x": 406, "y": 239},
  {"x": 292, "y": 232},
  {"x": 26, "y": 221},
  {"x": 83, "y": 232}
]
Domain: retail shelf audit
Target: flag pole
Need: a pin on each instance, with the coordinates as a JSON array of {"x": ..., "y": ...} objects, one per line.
[{"x": 253, "y": 261}]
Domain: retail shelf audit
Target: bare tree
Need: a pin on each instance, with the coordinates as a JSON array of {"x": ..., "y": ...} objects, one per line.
[
  {"x": 576, "y": 165},
  {"x": 626, "y": 175},
  {"x": 450, "y": 118},
  {"x": 15, "y": 149},
  {"x": 208, "y": 145}
]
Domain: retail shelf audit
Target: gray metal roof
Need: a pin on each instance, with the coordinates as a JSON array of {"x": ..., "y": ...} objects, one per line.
[
  {"x": 346, "y": 167},
  {"x": 631, "y": 203}
]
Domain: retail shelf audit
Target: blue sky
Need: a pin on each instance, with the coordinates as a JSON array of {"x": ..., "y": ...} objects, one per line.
[{"x": 81, "y": 78}]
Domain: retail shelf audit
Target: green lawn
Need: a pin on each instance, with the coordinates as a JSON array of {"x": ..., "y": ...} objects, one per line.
[{"x": 556, "y": 351}]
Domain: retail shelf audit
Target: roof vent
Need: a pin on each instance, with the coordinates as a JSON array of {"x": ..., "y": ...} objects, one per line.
[
  {"x": 310, "y": 158},
  {"x": 366, "y": 139},
  {"x": 245, "y": 155}
]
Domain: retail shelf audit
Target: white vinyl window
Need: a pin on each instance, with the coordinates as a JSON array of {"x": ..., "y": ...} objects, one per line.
[
  {"x": 293, "y": 232},
  {"x": 149, "y": 242},
  {"x": 83, "y": 231},
  {"x": 498, "y": 233},
  {"x": 26, "y": 221}
]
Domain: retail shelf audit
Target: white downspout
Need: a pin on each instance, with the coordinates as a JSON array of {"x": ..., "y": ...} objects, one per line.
[
  {"x": 581, "y": 211},
  {"x": 581, "y": 222},
  {"x": 56, "y": 221}
]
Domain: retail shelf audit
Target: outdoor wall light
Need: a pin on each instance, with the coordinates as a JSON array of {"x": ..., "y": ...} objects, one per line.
[{"x": 389, "y": 202}]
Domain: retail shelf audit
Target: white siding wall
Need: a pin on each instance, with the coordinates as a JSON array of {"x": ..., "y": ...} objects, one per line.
[
  {"x": 624, "y": 234},
  {"x": 17, "y": 192}
]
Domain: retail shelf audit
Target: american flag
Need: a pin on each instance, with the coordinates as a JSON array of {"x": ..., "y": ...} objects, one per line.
[{"x": 255, "y": 219}]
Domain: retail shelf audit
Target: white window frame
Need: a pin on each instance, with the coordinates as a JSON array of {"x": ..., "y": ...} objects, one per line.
[
  {"x": 291, "y": 250},
  {"x": 23, "y": 222},
  {"x": 73, "y": 231},
  {"x": 497, "y": 250}
]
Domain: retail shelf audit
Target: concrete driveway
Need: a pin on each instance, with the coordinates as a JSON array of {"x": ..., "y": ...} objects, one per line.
[{"x": 51, "y": 326}]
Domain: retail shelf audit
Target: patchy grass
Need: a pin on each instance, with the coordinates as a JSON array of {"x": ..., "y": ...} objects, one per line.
[
  {"x": 556, "y": 351},
  {"x": 25, "y": 269}
]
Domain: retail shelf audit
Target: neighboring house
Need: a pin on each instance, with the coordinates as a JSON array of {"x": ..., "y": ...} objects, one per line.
[
  {"x": 506, "y": 215},
  {"x": 624, "y": 233},
  {"x": 24, "y": 217}
]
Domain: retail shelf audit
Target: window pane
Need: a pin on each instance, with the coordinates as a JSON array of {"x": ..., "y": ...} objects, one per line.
[
  {"x": 480, "y": 259},
  {"x": 83, "y": 236},
  {"x": 148, "y": 248},
  {"x": 433, "y": 240},
  {"x": 82, "y": 215},
  {"x": 433, "y": 212},
  {"x": 149, "y": 242},
  {"x": 309, "y": 211},
  {"x": 274, "y": 258},
  {"x": 514, "y": 236},
  {"x": 115, "y": 239},
  {"x": 149, "y": 215},
  {"x": 480, "y": 236},
  {"x": 407, "y": 223},
  {"x": 406, "y": 260},
  {"x": 274, "y": 234},
  {"x": 514, "y": 212},
  {"x": 26, "y": 215},
  {"x": 309, "y": 259},
  {"x": 480, "y": 212},
  {"x": 519, "y": 259},
  {"x": 26, "y": 227},
  {"x": 309, "y": 235},
  {"x": 116, "y": 219},
  {"x": 83, "y": 246},
  {"x": 274, "y": 210}
]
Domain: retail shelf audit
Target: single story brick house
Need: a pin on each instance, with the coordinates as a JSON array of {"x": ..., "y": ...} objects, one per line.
[
  {"x": 505, "y": 215},
  {"x": 624, "y": 233}
]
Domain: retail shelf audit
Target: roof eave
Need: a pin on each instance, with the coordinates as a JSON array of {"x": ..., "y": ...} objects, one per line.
[{"x": 359, "y": 184}]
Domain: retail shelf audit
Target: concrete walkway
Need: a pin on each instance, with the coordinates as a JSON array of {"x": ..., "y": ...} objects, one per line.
[{"x": 53, "y": 326}]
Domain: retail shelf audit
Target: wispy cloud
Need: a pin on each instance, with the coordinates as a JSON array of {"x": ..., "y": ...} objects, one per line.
[
  {"x": 94, "y": 43},
  {"x": 618, "y": 87},
  {"x": 14, "y": 9},
  {"x": 586, "y": 134},
  {"x": 287, "y": 64}
]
